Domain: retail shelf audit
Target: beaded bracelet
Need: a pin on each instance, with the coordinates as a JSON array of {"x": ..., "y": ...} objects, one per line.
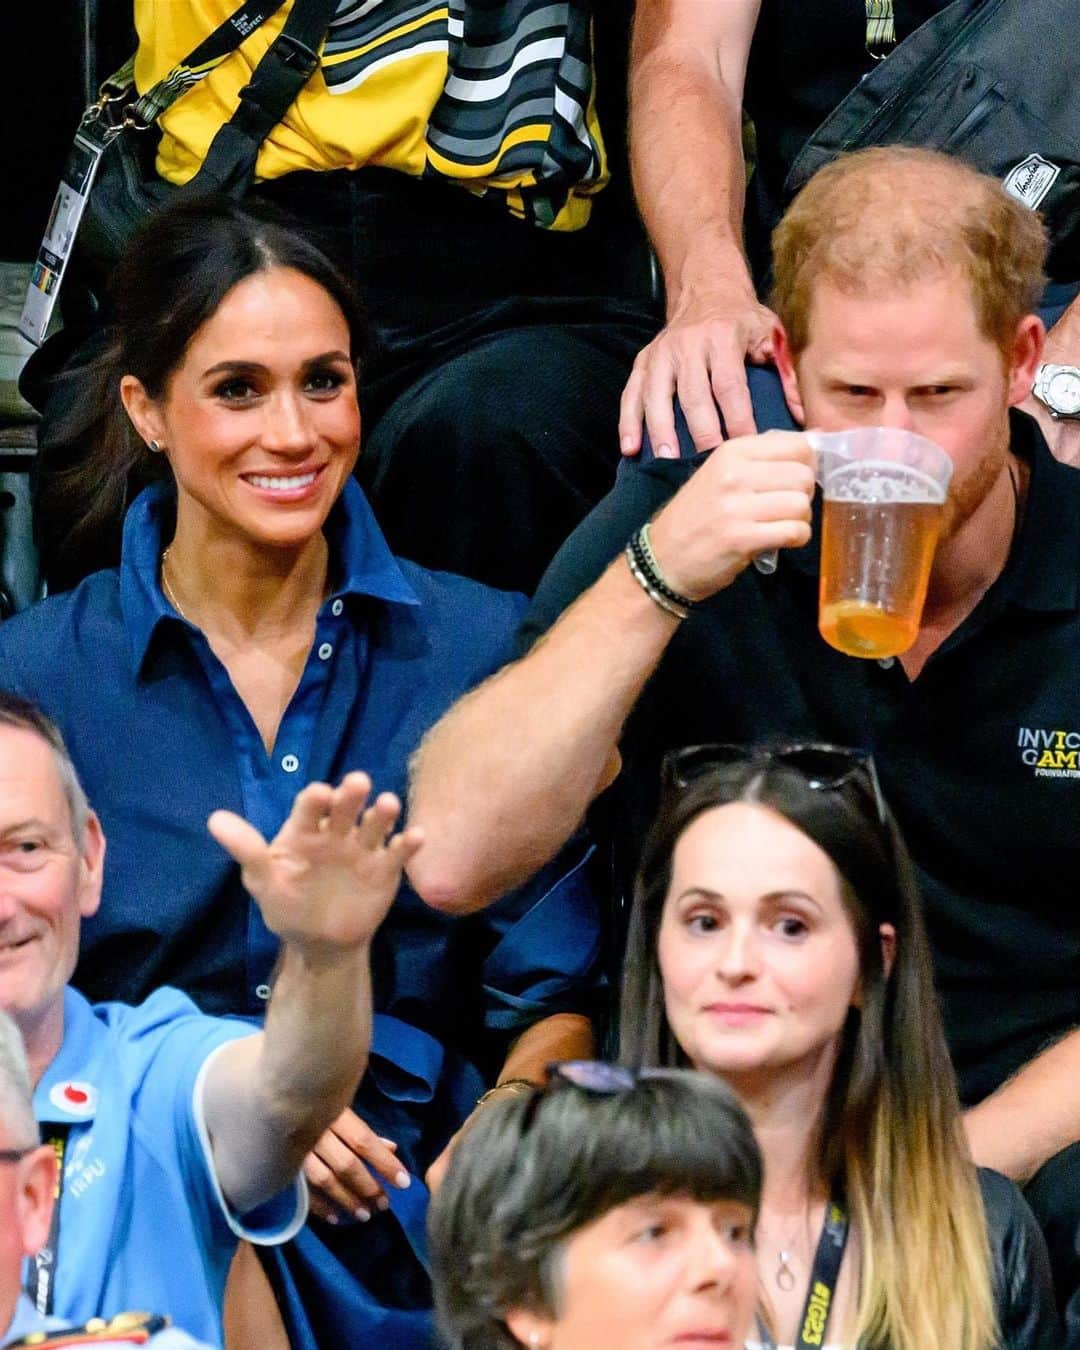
[{"x": 646, "y": 572}]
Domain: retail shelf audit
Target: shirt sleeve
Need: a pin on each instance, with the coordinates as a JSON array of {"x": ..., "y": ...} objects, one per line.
[
  {"x": 546, "y": 945},
  {"x": 639, "y": 492},
  {"x": 178, "y": 1043}
]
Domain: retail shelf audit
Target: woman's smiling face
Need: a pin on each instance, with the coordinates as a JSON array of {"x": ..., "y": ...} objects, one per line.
[{"x": 260, "y": 421}]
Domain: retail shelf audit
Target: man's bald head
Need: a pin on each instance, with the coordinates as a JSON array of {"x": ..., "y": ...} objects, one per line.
[{"x": 883, "y": 220}]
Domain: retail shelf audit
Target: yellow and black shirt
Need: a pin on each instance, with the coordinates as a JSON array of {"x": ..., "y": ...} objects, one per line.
[{"x": 496, "y": 96}]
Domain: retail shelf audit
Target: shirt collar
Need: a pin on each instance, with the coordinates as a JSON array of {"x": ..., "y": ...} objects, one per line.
[
  {"x": 26, "y": 1319},
  {"x": 360, "y": 559},
  {"x": 68, "y": 1090}
]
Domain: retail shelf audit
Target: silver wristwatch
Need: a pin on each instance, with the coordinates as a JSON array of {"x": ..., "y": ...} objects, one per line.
[{"x": 1058, "y": 389}]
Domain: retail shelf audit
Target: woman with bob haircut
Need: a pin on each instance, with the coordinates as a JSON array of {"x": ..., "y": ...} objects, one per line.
[
  {"x": 258, "y": 634},
  {"x": 606, "y": 1208},
  {"x": 777, "y": 942}
]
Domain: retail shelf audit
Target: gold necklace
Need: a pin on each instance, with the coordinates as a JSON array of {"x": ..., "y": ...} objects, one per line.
[{"x": 170, "y": 594}]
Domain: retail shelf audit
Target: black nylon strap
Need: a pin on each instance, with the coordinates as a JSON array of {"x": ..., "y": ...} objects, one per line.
[
  {"x": 823, "y": 1278},
  {"x": 42, "y": 1274},
  {"x": 290, "y": 62}
]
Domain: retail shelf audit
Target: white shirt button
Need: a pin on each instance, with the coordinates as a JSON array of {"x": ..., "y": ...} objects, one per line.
[
  {"x": 326, "y": 651},
  {"x": 262, "y": 992},
  {"x": 887, "y": 662},
  {"x": 290, "y": 763},
  {"x": 337, "y": 607}
]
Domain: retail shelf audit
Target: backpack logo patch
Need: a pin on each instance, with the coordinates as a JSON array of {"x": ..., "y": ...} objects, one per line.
[{"x": 1030, "y": 180}]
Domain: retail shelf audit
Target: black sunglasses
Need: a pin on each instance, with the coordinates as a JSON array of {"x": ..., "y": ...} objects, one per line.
[
  {"x": 14, "y": 1155},
  {"x": 824, "y": 767}
]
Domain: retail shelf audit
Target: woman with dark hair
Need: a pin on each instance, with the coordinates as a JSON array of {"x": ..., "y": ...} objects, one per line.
[
  {"x": 258, "y": 634},
  {"x": 777, "y": 942},
  {"x": 606, "y": 1208}
]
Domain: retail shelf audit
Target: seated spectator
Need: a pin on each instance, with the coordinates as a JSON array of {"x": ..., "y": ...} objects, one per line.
[
  {"x": 789, "y": 64},
  {"x": 777, "y": 941},
  {"x": 602, "y": 1209},
  {"x": 27, "y": 1204},
  {"x": 177, "y": 1133},
  {"x": 257, "y": 635},
  {"x": 904, "y": 283},
  {"x": 453, "y": 159}
]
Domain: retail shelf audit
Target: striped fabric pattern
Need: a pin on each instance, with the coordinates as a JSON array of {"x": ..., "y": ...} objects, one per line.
[{"x": 516, "y": 114}]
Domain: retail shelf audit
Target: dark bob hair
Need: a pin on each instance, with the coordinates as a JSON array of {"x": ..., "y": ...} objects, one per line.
[
  {"x": 178, "y": 268},
  {"x": 534, "y": 1169}
]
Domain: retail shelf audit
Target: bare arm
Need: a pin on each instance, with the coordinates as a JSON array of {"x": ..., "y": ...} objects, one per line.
[
  {"x": 560, "y": 1037},
  {"x": 505, "y": 777},
  {"x": 323, "y": 885},
  {"x": 1062, "y": 349},
  {"x": 687, "y": 71},
  {"x": 1031, "y": 1117}
]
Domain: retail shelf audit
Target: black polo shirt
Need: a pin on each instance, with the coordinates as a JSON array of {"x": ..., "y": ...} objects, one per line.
[{"x": 979, "y": 756}]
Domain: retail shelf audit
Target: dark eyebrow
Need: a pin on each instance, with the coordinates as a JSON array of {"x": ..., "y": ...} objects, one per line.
[{"x": 255, "y": 368}]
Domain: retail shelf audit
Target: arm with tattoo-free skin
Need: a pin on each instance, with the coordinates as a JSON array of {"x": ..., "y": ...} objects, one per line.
[
  {"x": 324, "y": 885},
  {"x": 687, "y": 70},
  {"x": 1031, "y": 1117},
  {"x": 504, "y": 779}
]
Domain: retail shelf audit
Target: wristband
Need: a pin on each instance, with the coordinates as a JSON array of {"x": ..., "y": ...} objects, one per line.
[
  {"x": 646, "y": 572},
  {"x": 519, "y": 1086}
]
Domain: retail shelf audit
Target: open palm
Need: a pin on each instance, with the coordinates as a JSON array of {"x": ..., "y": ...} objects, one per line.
[{"x": 330, "y": 874}]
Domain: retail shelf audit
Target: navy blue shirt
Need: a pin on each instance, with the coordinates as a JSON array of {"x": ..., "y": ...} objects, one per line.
[
  {"x": 979, "y": 756},
  {"x": 160, "y": 739}
]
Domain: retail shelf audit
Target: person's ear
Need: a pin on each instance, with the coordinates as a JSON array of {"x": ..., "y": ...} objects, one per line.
[
  {"x": 144, "y": 412},
  {"x": 91, "y": 866},
  {"x": 785, "y": 365},
  {"x": 34, "y": 1199},
  {"x": 1024, "y": 357},
  {"x": 887, "y": 933},
  {"x": 529, "y": 1328}
]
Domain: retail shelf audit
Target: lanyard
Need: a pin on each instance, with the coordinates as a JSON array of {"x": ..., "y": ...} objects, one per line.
[
  {"x": 43, "y": 1265},
  {"x": 823, "y": 1276}
]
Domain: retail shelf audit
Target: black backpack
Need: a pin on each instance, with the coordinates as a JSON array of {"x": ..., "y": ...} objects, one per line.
[{"x": 995, "y": 82}]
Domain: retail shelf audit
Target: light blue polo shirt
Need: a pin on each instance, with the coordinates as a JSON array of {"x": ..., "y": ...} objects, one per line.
[{"x": 143, "y": 1223}]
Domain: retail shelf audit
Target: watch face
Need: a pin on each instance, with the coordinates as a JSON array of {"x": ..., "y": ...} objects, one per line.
[{"x": 1063, "y": 392}]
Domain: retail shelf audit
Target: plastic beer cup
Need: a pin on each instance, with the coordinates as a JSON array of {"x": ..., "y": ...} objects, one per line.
[{"x": 884, "y": 493}]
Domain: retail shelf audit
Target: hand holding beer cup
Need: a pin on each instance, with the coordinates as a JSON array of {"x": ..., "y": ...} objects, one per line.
[
  {"x": 752, "y": 495},
  {"x": 884, "y": 491}
]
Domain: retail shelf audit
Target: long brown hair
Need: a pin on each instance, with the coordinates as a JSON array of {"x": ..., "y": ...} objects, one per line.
[{"x": 891, "y": 1139}]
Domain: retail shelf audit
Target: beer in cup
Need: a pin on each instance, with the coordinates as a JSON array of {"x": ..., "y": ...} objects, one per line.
[{"x": 884, "y": 494}]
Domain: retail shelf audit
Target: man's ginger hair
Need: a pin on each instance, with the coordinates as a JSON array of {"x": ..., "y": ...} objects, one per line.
[{"x": 881, "y": 220}]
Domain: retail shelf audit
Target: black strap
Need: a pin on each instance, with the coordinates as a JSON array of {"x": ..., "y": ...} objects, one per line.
[
  {"x": 823, "y": 1277},
  {"x": 289, "y": 63},
  {"x": 42, "y": 1282}
]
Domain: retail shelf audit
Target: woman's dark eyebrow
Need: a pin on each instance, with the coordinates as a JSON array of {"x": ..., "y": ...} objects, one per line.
[{"x": 256, "y": 368}]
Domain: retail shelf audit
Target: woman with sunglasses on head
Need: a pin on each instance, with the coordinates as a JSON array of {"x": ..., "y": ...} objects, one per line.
[
  {"x": 605, "y": 1209},
  {"x": 777, "y": 941}
]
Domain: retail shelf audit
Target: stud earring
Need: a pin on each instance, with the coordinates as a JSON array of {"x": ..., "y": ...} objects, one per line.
[{"x": 154, "y": 447}]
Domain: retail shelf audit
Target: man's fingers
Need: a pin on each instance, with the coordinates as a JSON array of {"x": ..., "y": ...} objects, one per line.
[
  {"x": 699, "y": 408},
  {"x": 241, "y": 841},
  {"x": 378, "y": 820},
  {"x": 732, "y": 395},
  {"x": 407, "y": 843},
  {"x": 348, "y": 802},
  {"x": 310, "y": 807},
  {"x": 632, "y": 411},
  {"x": 659, "y": 393}
]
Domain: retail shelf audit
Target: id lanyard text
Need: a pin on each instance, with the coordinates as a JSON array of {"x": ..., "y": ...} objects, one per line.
[
  {"x": 823, "y": 1278},
  {"x": 43, "y": 1266}
]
